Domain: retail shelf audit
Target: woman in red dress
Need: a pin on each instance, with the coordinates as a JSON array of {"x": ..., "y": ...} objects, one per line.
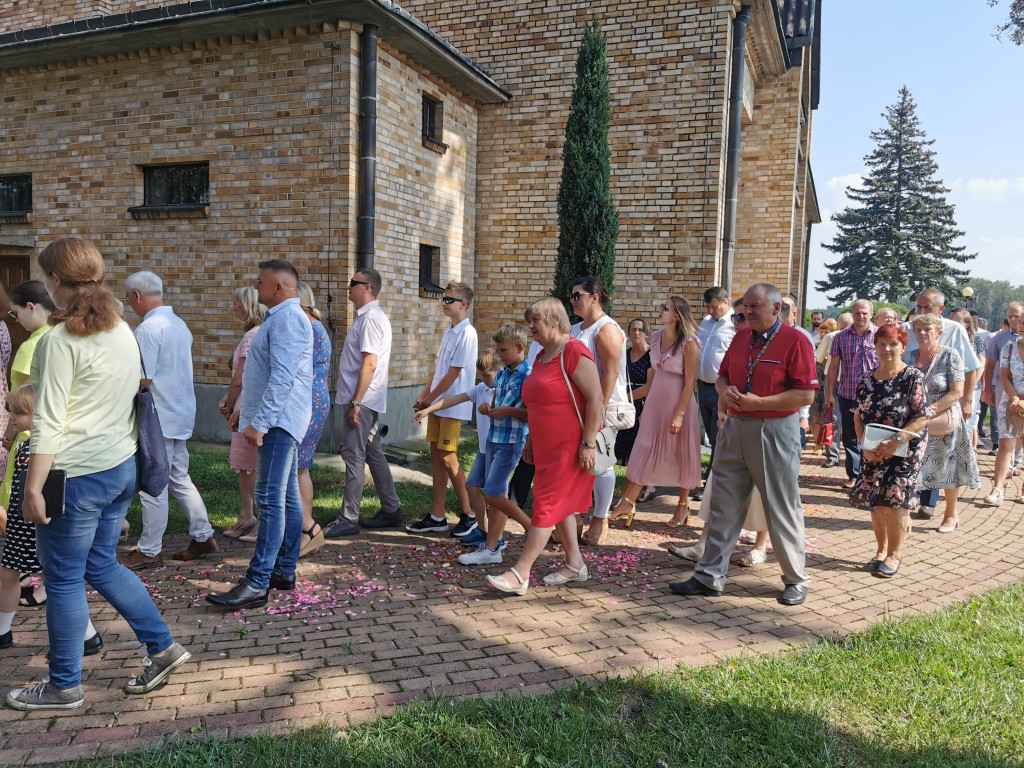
[{"x": 561, "y": 449}]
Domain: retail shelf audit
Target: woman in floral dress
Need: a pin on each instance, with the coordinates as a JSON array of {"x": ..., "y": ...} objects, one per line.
[{"x": 893, "y": 395}]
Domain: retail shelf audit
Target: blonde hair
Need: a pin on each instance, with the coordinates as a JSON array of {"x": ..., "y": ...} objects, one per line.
[
  {"x": 22, "y": 399},
  {"x": 249, "y": 300},
  {"x": 78, "y": 266},
  {"x": 552, "y": 312},
  {"x": 307, "y": 301},
  {"x": 929, "y": 319},
  {"x": 827, "y": 326},
  {"x": 686, "y": 326},
  {"x": 462, "y": 291},
  {"x": 487, "y": 361},
  {"x": 511, "y": 333}
]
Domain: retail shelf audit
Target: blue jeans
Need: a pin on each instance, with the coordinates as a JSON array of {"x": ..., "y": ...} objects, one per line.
[
  {"x": 277, "y": 494},
  {"x": 849, "y": 436},
  {"x": 501, "y": 461},
  {"x": 80, "y": 547}
]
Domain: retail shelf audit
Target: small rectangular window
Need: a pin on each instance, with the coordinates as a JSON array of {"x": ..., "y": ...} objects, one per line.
[
  {"x": 433, "y": 124},
  {"x": 430, "y": 269},
  {"x": 176, "y": 185},
  {"x": 16, "y": 195}
]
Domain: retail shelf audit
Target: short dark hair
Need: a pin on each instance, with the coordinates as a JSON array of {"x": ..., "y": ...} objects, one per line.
[
  {"x": 31, "y": 292},
  {"x": 716, "y": 293},
  {"x": 372, "y": 277},
  {"x": 280, "y": 265}
]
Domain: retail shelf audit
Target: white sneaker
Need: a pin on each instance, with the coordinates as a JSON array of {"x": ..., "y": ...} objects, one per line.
[{"x": 481, "y": 556}]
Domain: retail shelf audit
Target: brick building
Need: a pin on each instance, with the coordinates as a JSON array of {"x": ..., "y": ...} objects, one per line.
[{"x": 196, "y": 139}]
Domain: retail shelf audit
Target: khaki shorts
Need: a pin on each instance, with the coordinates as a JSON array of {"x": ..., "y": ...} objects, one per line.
[{"x": 443, "y": 431}]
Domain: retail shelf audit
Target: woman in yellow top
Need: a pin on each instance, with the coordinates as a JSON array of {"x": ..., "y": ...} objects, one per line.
[{"x": 31, "y": 306}]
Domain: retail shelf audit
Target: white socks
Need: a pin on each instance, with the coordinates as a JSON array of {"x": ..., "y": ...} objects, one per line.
[
  {"x": 5, "y": 622},
  {"x": 90, "y": 631}
]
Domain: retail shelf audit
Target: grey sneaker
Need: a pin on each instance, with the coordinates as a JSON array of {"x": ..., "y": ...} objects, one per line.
[
  {"x": 157, "y": 669},
  {"x": 45, "y": 696}
]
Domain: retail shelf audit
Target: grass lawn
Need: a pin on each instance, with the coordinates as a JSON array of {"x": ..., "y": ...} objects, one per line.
[
  {"x": 942, "y": 690},
  {"x": 218, "y": 485}
]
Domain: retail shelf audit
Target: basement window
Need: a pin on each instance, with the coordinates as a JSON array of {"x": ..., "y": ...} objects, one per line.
[
  {"x": 174, "y": 189},
  {"x": 433, "y": 124},
  {"x": 15, "y": 196},
  {"x": 430, "y": 270}
]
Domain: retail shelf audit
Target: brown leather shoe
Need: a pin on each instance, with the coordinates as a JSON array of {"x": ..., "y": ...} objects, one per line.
[
  {"x": 138, "y": 561},
  {"x": 197, "y": 549}
]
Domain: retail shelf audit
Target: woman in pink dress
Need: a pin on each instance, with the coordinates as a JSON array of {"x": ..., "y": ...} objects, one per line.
[
  {"x": 667, "y": 447},
  {"x": 242, "y": 456},
  {"x": 562, "y": 449}
]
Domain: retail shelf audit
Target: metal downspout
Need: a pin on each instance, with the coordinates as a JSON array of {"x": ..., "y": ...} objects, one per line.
[
  {"x": 732, "y": 161},
  {"x": 367, "y": 212}
]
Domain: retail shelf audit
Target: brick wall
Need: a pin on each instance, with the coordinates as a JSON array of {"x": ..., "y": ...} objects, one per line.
[
  {"x": 668, "y": 65},
  {"x": 282, "y": 151},
  {"x": 29, "y": 14}
]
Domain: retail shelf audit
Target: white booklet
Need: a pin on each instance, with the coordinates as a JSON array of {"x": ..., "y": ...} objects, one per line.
[{"x": 879, "y": 433}]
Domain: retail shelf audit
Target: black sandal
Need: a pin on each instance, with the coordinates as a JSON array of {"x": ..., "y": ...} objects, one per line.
[{"x": 316, "y": 540}]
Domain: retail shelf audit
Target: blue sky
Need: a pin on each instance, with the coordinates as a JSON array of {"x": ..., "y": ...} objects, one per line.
[{"x": 967, "y": 86}]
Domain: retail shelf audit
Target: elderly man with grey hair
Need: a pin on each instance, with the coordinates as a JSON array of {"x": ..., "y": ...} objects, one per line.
[
  {"x": 166, "y": 345},
  {"x": 853, "y": 355}
]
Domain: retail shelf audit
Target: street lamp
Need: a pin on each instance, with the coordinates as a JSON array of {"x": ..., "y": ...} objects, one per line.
[{"x": 968, "y": 294}]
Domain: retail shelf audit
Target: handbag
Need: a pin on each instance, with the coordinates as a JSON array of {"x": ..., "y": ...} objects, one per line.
[
  {"x": 945, "y": 422},
  {"x": 825, "y": 434},
  {"x": 153, "y": 469},
  {"x": 604, "y": 455}
]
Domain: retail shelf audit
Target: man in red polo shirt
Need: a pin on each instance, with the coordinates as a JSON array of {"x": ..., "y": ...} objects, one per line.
[{"x": 767, "y": 376}]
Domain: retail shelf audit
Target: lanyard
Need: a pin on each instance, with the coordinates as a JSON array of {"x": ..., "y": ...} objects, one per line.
[{"x": 753, "y": 361}]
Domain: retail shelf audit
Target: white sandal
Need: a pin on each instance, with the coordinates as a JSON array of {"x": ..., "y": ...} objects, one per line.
[
  {"x": 693, "y": 553},
  {"x": 557, "y": 579},
  {"x": 500, "y": 582},
  {"x": 995, "y": 498}
]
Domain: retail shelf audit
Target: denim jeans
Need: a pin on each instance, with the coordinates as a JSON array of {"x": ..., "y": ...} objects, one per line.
[
  {"x": 277, "y": 494},
  {"x": 80, "y": 547}
]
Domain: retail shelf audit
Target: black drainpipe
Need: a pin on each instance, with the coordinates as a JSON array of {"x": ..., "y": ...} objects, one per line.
[
  {"x": 367, "y": 146},
  {"x": 732, "y": 158}
]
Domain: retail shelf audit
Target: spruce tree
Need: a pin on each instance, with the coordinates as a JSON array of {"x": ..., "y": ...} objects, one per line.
[
  {"x": 898, "y": 236},
  {"x": 588, "y": 224}
]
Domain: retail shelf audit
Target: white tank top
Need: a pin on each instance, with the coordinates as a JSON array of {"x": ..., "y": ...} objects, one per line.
[{"x": 589, "y": 337}]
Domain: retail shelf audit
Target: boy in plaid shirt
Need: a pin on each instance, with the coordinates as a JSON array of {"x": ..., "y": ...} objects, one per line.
[{"x": 505, "y": 442}]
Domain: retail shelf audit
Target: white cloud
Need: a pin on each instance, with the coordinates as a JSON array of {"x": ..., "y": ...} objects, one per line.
[
  {"x": 842, "y": 182},
  {"x": 990, "y": 190}
]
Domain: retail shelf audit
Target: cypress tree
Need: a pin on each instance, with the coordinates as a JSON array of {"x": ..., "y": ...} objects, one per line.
[
  {"x": 897, "y": 238},
  {"x": 588, "y": 224}
]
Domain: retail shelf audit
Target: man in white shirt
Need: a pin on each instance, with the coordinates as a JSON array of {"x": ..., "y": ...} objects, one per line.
[
  {"x": 716, "y": 334},
  {"x": 817, "y": 318},
  {"x": 166, "y": 345},
  {"x": 362, "y": 396},
  {"x": 954, "y": 335},
  {"x": 454, "y": 374}
]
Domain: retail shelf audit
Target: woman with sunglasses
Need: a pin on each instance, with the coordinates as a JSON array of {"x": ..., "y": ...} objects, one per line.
[
  {"x": 667, "y": 448},
  {"x": 607, "y": 343}
]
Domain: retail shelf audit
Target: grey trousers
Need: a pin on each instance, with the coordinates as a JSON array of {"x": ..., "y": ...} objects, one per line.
[
  {"x": 761, "y": 453},
  {"x": 361, "y": 448}
]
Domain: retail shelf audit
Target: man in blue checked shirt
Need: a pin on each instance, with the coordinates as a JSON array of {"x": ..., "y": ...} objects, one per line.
[{"x": 277, "y": 404}]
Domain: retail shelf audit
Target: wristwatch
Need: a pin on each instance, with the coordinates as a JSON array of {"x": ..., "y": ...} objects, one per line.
[
  {"x": 585, "y": 444},
  {"x": 354, "y": 404},
  {"x": 900, "y": 438}
]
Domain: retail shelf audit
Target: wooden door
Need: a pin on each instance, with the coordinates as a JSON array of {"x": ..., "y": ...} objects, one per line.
[{"x": 13, "y": 270}]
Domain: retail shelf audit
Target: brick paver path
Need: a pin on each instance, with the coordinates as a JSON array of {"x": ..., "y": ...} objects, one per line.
[{"x": 390, "y": 617}]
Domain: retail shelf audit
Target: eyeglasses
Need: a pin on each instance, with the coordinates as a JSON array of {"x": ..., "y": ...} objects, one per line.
[
  {"x": 11, "y": 315},
  {"x": 576, "y": 296},
  {"x": 450, "y": 299},
  {"x": 353, "y": 283},
  {"x": 739, "y": 317}
]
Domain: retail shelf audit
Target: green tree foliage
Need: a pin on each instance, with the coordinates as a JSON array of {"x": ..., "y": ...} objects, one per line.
[
  {"x": 897, "y": 237},
  {"x": 587, "y": 220},
  {"x": 991, "y": 298},
  {"x": 1013, "y": 27}
]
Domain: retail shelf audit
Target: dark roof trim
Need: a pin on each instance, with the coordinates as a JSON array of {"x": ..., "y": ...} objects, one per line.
[
  {"x": 186, "y": 22},
  {"x": 782, "y": 33}
]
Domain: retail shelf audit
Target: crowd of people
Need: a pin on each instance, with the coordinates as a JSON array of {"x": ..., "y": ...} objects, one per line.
[{"x": 555, "y": 407}]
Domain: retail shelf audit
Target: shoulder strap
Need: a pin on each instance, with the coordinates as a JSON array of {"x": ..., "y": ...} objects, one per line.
[{"x": 561, "y": 361}]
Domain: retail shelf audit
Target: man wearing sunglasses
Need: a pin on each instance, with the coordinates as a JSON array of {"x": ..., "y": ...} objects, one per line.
[
  {"x": 716, "y": 334},
  {"x": 362, "y": 396}
]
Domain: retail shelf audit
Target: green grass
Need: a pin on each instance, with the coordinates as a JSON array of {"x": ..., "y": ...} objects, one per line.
[
  {"x": 218, "y": 484},
  {"x": 941, "y": 690}
]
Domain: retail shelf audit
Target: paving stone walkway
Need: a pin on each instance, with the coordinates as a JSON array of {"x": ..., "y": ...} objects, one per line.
[{"x": 389, "y": 617}]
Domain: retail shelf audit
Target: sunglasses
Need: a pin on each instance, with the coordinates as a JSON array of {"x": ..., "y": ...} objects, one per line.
[
  {"x": 450, "y": 299},
  {"x": 11, "y": 315},
  {"x": 353, "y": 283},
  {"x": 665, "y": 307},
  {"x": 739, "y": 317},
  {"x": 576, "y": 296}
]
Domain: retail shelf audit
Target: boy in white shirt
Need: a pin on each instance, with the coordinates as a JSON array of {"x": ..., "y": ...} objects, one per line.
[
  {"x": 453, "y": 374},
  {"x": 487, "y": 367}
]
